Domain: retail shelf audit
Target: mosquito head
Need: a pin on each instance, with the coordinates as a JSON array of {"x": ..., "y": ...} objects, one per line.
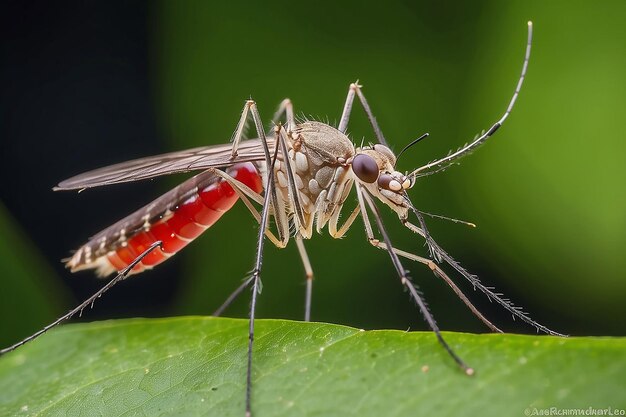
[{"x": 374, "y": 168}]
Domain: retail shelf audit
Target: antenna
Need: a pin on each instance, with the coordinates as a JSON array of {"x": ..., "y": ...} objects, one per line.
[
  {"x": 483, "y": 137},
  {"x": 425, "y": 135}
]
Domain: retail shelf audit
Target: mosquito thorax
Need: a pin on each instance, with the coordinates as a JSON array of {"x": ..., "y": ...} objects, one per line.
[{"x": 323, "y": 143}]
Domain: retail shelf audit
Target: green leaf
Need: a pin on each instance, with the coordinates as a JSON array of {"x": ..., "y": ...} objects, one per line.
[{"x": 196, "y": 366}]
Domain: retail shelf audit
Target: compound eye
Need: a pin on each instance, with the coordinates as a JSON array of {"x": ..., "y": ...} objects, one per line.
[
  {"x": 384, "y": 180},
  {"x": 365, "y": 168}
]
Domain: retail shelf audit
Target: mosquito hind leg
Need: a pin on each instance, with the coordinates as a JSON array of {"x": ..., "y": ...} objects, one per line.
[{"x": 79, "y": 309}]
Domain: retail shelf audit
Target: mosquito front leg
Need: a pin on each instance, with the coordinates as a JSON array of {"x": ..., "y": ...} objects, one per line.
[
  {"x": 403, "y": 274},
  {"x": 440, "y": 274},
  {"x": 433, "y": 267},
  {"x": 337, "y": 234},
  {"x": 475, "y": 281}
]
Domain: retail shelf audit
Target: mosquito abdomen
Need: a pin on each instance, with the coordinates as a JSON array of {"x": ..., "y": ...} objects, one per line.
[{"x": 175, "y": 227}]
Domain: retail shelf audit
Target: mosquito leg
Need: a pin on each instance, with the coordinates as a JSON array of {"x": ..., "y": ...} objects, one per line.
[
  {"x": 276, "y": 241},
  {"x": 279, "y": 243},
  {"x": 245, "y": 193},
  {"x": 438, "y": 272},
  {"x": 268, "y": 233},
  {"x": 355, "y": 89},
  {"x": 285, "y": 107},
  {"x": 256, "y": 272},
  {"x": 291, "y": 183},
  {"x": 269, "y": 200},
  {"x": 370, "y": 116},
  {"x": 232, "y": 297},
  {"x": 338, "y": 234},
  {"x": 475, "y": 281},
  {"x": 347, "y": 109},
  {"x": 256, "y": 279},
  {"x": 403, "y": 274},
  {"x": 255, "y": 290},
  {"x": 119, "y": 277},
  {"x": 277, "y": 206},
  {"x": 240, "y": 128},
  {"x": 308, "y": 270},
  {"x": 250, "y": 107},
  {"x": 429, "y": 240},
  {"x": 433, "y": 267}
]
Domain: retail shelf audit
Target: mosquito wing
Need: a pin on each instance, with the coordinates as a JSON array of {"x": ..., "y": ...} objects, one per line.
[{"x": 168, "y": 163}]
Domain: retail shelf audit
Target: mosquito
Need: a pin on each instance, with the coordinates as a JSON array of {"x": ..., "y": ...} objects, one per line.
[{"x": 298, "y": 176}]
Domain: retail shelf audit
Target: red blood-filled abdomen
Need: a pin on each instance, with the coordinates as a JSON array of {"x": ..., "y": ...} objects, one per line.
[{"x": 185, "y": 222}]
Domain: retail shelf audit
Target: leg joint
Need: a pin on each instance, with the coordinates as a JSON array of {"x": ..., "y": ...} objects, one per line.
[
  {"x": 355, "y": 86},
  {"x": 374, "y": 242},
  {"x": 432, "y": 265}
]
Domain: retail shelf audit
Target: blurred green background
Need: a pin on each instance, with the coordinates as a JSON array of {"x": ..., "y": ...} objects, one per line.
[{"x": 546, "y": 191}]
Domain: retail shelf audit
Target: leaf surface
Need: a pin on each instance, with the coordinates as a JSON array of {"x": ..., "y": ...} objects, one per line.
[{"x": 192, "y": 366}]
